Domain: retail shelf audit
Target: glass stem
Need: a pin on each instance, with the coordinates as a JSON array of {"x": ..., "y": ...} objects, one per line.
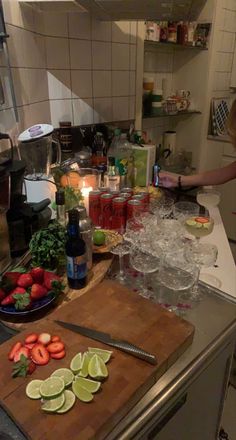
[
  {"x": 145, "y": 286},
  {"x": 121, "y": 263},
  {"x": 195, "y": 286}
]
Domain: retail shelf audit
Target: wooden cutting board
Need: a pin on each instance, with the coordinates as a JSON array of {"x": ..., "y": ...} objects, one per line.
[{"x": 112, "y": 308}]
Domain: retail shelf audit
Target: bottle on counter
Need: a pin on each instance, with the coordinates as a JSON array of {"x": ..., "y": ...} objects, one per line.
[
  {"x": 111, "y": 177},
  {"x": 75, "y": 253},
  {"x": 86, "y": 232},
  {"x": 155, "y": 179},
  {"x": 61, "y": 207}
]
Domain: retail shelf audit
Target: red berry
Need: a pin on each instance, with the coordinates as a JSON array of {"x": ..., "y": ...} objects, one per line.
[
  {"x": 31, "y": 338},
  {"x": 31, "y": 367},
  {"x": 38, "y": 291},
  {"x": 25, "y": 280},
  {"x": 37, "y": 273},
  {"x": 55, "y": 338},
  {"x": 50, "y": 278},
  {"x": 2, "y": 294},
  {"x": 13, "y": 350},
  {"x": 44, "y": 338},
  {"x": 59, "y": 355},
  {"x": 40, "y": 354},
  {"x": 55, "y": 347},
  {"x": 22, "y": 351}
]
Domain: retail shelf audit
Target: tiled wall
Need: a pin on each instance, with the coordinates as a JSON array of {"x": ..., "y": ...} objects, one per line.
[{"x": 68, "y": 67}]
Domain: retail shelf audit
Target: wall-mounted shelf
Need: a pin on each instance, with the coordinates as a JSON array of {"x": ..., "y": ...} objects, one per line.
[
  {"x": 163, "y": 115},
  {"x": 159, "y": 44}
]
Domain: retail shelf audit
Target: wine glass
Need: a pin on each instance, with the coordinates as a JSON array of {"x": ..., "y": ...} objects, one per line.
[
  {"x": 208, "y": 197},
  {"x": 203, "y": 255},
  {"x": 184, "y": 209},
  {"x": 144, "y": 262},
  {"x": 199, "y": 226},
  {"x": 163, "y": 207},
  {"x": 121, "y": 249},
  {"x": 178, "y": 275}
]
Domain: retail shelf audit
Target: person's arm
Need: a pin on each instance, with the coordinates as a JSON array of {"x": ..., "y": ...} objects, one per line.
[{"x": 213, "y": 177}]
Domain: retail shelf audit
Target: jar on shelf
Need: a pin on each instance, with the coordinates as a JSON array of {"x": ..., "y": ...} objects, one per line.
[
  {"x": 182, "y": 33},
  {"x": 191, "y": 31},
  {"x": 172, "y": 32},
  {"x": 157, "y": 31},
  {"x": 148, "y": 84},
  {"x": 163, "y": 31},
  {"x": 150, "y": 31}
]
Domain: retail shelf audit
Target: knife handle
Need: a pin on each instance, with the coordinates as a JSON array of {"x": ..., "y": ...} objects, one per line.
[{"x": 135, "y": 351}]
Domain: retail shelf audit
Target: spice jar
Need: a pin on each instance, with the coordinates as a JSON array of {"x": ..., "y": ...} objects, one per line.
[
  {"x": 172, "y": 32},
  {"x": 182, "y": 33},
  {"x": 65, "y": 136}
]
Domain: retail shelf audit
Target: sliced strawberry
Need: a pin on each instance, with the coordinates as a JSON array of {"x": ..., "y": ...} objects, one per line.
[
  {"x": 13, "y": 350},
  {"x": 55, "y": 338},
  {"x": 40, "y": 354},
  {"x": 38, "y": 291},
  {"x": 44, "y": 338},
  {"x": 29, "y": 346},
  {"x": 25, "y": 280},
  {"x": 31, "y": 338},
  {"x": 55, "y": 347},
  {"x": 2, "y": 294},
  {"x": 31, "y": 367},
  {"x": 59, "y": 355},
  {"x": 22, "y": 351},
  {"x": 37, "y": 274}
]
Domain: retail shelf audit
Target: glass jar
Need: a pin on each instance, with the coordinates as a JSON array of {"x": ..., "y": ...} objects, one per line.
[{"x": 172, "y": 32}]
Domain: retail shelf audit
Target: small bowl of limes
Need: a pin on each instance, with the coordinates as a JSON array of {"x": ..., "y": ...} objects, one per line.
[{"x": 105, "y": 239}]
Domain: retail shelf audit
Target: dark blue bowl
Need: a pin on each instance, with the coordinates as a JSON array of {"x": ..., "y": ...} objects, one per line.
[{"x": 40, "y": 304}]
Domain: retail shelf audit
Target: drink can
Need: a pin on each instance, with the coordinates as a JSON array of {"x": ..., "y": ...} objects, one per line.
[
  {"x": 127, "y": 190},
  {"x": 106, "y": 210},
  {"x": 141, "y": 198},
  {"x": 104, "y": 190},
  {"x": 94, "y": 207},
  {"x": 146, "y": 197},
  {"x": 115, "y": 193},
  {"x": 119, "y": 214},
  {"x": 126, "y": 195},
  {"x": 134, "y": 207}
]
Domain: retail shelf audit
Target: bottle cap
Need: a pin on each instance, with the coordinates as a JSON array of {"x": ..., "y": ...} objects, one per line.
[{"x": 60, "y": 197}]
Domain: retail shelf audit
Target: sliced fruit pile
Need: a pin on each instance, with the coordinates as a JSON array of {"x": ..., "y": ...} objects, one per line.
[
  {"x": 21, "y": 288},
  {"x": 54, "y": 393},
  {"x": 199, "y": 222},
  {"x": 35, "y": 350}
]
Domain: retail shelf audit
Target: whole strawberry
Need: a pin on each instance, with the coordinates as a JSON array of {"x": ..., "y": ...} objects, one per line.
[
  {"x": 52, "y": 281},
  {"x": 2, "y": 294},
  {"x": 11, "y": 299},
  {"x": 10, "y": 280},
  {"x": 25, "y": 280},
  {"x": 37, "y": 291},
  {"x": 37, "y": 274}
]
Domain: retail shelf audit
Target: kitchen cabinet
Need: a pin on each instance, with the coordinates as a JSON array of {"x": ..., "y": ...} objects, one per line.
[
  {"x": 54, "y": 5},
  {"x": 128, "y": 9}
]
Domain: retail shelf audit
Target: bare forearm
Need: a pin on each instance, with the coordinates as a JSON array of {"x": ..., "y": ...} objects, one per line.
[{"x": 214, "y": 177}]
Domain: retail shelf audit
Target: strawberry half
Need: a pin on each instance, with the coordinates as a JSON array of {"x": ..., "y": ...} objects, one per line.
[
  {"x": 59, "y": 355},
  {"x": 38, "y": 291},
  {"x": 31, "y": 338},
  {"x": 40, "y": 354},
  {"x": 44, "y": 338},
  {"x": 25, "y": 280},
  {"x": 55, "y": 347},
  {"x": 22, "y": 351},
  {"x": 13, "y": 350},
  {"x": 37, "y": 274}
]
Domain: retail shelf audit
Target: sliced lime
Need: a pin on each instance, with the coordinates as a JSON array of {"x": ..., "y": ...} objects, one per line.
[
  {"x": 69, "y": 402},
  {"x": 65, "y": 374},
  {"x": 32, "y": 389},
  {"x": 81, "y": 393},
  {"x": 97, "y": 368},
  {"x": 52, "y": 387},
  {"x": 90, "y": 385},
  {"x": 191, "y": 222},
  {"x": 76, "y": 363},
  {"x": 84, "y": 367},
  {"x": 53, "y": 405},
  {"x": 104, "y": 354},
  {"x": 207, "y": 225}
]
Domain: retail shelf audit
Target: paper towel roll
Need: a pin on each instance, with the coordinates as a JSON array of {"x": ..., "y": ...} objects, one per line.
[{"x": 169, "y": 140}]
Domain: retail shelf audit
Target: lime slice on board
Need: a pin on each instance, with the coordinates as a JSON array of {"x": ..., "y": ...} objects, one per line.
[
  {"x": 97, "y": 368},
  {"x": 52, "y": 387},
  {"x": 32, "y": 389},
  {"x": 90, "y": 385},
  {"x": 84, "y": 367},
  {"x": 69, "y": 402},
  {"x": 53, "y": 405},
  {"x": 76, "y": 363},
  {"x": 65, "y": 374},
  {"x": 104, "y": 354},
  {"x": 81, "y": 393}
]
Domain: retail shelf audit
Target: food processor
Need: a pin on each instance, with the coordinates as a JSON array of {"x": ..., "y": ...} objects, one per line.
[{"x": 36, "y": 149}]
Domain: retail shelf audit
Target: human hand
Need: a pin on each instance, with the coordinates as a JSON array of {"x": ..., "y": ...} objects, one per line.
[{"x": 168, "y": 180}]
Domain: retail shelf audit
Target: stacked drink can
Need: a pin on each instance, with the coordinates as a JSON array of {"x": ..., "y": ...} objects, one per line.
[{"x": 111, "y": 209}]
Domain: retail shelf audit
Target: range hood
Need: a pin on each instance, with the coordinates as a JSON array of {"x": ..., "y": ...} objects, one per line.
[{"x": 174, "y": 10}]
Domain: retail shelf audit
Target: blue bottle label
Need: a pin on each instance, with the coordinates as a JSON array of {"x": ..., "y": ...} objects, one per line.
[{"x": 77, "y": 267}]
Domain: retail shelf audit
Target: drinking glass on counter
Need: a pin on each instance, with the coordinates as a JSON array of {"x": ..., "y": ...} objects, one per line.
[
  {"x": 144, "y": 262},
  {"x": 199, "y": 226},
  {"x": 121, "y": 250},
  {"x": 184, "y": 209},
  {"x": 203, "y": 255},
  {"x": 163, "y": 207},
  {"x": 208, "y": 197}
]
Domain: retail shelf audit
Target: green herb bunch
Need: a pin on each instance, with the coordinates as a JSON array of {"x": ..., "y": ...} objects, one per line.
[{"x": 47, "y": 246}]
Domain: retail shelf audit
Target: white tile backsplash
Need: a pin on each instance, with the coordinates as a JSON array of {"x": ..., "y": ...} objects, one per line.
[
  {"x": 80, "y": 54},
  {"x": 57, "y": 50},
  {"x": 101, "y": 83},
  {"x": 80, "y": 25},
  {"x": 59, "y": 84},
  {"x": 133, "y": 32},
  {"x": 132, "y": 50},
  {"x": 121, "y": 31},
  {"x": 6, "y": 89},
  {"x": 81, "y": 83},
  {"x": 101, "y": 30},
  {"x": 61, "y": 110},
  {"x": 132, "y": 83},
  {"x": 56, "y": 24},
  {"x": 120, "y": 108},
  {"x": 120, "y": 83},
  {"x": 120, "y": 56},
  {"x": 101, "y": 55},
  {"x": 102, "y": 110},
  {"x": 82, "y": 111},
  {"x": 132, "y": 107}
]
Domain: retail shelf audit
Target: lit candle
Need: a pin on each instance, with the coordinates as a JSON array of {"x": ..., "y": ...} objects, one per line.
[{"x": 85, "y": 193}]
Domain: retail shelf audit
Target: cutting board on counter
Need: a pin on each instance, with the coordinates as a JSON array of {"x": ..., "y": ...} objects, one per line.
[{"x": 111, "y": 308}]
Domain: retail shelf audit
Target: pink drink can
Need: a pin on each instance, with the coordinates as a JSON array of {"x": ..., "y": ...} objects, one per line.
[
  {"x": 115, "y": 193},
  {"x": 95, "y": 207},
  {"x": 127, "y": 196},
  {"x": 127, "y": 190},
  {"x": 106, "y": 210},
  {"x": 134, "y": 207},
  {"x": 146, "y": 198},
  {"x": 141, "y": 199},
  {"x": 119, "y": 214},
  {"x": 104, "y": 190}
]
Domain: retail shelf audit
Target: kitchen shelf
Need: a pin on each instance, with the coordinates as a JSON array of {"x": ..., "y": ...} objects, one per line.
[
  {"x": 173, "y": 45},
  {"x": 163, "y": 115}
]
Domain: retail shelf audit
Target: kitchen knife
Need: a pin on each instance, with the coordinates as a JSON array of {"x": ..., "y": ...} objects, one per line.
[{"x": 107, "y": 339}]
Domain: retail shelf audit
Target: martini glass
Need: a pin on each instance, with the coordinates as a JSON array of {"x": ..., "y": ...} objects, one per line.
[
  {"x": 121, "y": 250},
  {"x": 199, "y": 226},
  {"x": 208, "y": 197},
  {"x": 144, "y": 262}
]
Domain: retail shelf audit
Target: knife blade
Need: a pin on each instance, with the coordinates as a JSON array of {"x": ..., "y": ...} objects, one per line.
[{"x": 125, "y": 346}]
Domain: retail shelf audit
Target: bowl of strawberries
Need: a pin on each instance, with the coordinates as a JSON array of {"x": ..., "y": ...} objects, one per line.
[{"x": 23, "y": 292}]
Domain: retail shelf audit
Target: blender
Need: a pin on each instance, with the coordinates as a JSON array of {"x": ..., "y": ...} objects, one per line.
[{"x": 36, "y": 149}]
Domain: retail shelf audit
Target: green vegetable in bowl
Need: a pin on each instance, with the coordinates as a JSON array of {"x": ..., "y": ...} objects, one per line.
[{"x": 47, "y": 246}]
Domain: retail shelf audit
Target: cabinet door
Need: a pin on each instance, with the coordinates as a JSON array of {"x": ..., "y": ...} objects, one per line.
[{"x": 228, "y": 202}]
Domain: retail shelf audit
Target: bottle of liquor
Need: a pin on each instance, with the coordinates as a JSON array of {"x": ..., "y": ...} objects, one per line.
[
  {"x": 155, "y": 179},
  {"x": 75, "y": 253},
  {"x": 61, "y": 208},
  {"x": 111, "y": 178}
]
